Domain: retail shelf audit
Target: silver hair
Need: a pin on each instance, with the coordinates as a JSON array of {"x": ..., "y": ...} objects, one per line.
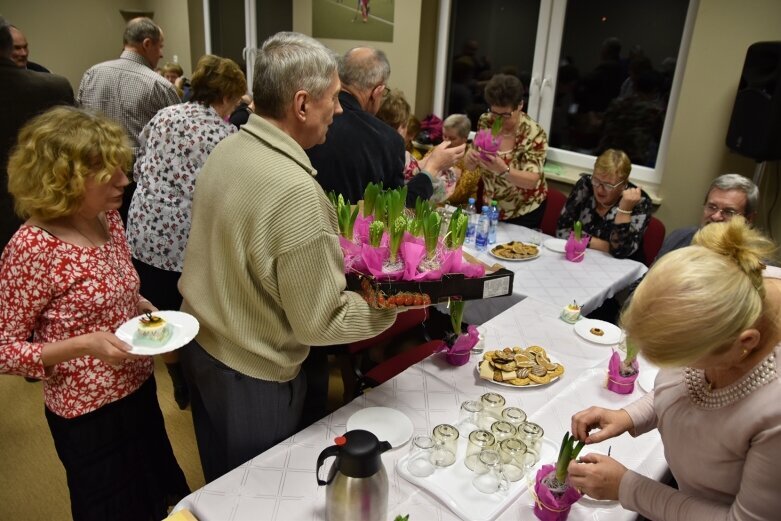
[
  {"x": 738, "y": 182},
  {"x": 458, "y": 122},
  {"x": 139, "y": 29},
  {"x": 364, "y": 72},
  {"x": 287, "y": 63}
]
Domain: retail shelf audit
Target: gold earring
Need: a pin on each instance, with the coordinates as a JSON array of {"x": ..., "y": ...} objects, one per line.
[{"x": 744, "y": 353}]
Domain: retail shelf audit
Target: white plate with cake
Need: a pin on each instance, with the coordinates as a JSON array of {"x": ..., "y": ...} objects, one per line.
[{"x": 158, "y": 332}]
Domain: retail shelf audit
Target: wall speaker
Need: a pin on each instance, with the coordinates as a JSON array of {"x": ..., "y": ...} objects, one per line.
[{"x": 755, "y": 126}]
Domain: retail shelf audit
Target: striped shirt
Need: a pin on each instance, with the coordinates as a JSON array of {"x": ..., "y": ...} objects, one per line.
[{"x": 127, "y": 91}]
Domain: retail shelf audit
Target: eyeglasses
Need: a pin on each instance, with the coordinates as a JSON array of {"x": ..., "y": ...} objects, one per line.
[
  {"x": 596, "y": 183},
  {"x": 501, "y": 114},
  {"x": 712, "y": 209}
]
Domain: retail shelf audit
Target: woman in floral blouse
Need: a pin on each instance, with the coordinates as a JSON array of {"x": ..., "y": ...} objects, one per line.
[
  {"x": 66, "y": 284},
  {"x": 613, "y": 211},
  {"x": 174, "y": 146},
  {"x": 513, "y": 175}
]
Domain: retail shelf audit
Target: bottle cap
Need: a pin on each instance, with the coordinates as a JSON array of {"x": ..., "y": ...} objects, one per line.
[
  {"x": 471, "y": 200},
  {"x": 494, "y": 202},
  {"x": 485, "y": 207}
]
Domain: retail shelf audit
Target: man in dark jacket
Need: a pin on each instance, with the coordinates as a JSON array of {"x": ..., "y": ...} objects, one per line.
[
  {"x": 362, "y": 149},
  {"x": 24, "y": 94}
]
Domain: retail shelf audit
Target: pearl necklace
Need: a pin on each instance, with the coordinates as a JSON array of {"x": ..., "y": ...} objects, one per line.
[{"x": 701, "y": 394}]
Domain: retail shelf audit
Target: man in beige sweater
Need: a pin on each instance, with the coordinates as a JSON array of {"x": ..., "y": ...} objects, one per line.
[{"x": 263, "y": 270}]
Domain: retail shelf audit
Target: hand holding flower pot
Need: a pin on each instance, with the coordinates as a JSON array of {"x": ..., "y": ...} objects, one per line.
[
  {"x": 554, "y": 495},
  {"x": 621, "y": 375},
  {"x": 575, "y": 249}
]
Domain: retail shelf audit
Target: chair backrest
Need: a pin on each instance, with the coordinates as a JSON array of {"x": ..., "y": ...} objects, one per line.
[
  {"x": 652, "y": 240},
  {"x": 555, "y": 202}
]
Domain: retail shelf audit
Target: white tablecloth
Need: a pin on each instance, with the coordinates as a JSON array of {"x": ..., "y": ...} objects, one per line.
[
  {"x": 280, "y": 484},
  {"x": 553, "y": 279}
]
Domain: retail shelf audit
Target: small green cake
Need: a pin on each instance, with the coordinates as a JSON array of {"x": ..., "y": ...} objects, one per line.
[{"x": 152, "y": 331}]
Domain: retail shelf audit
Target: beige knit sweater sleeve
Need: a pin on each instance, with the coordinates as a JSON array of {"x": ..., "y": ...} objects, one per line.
[{"x": 312, "y": 290}]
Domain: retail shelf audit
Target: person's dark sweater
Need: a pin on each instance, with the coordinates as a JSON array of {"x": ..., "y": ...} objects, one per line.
[{"x": 360, "y": 149}]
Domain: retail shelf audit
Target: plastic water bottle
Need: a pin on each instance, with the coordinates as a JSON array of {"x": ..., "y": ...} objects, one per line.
[
  {"x": 494, "y": 222},
  {"x": 471, "y": 213},
  {"x": 483, "y": 229}
]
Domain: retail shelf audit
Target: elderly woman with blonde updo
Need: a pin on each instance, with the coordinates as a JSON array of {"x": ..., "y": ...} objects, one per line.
[
  {"x": 710, "y": 316},
  {"x": 66, "y": 285}
]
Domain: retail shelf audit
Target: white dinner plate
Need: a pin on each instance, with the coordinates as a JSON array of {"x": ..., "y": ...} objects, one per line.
[
  {"x": 387, "y": 424},
  {"x": 612, "y": 332},
  {"x": 184, "y": 326},
  {"x": 492, "y": 254},
  {"x": 527, "y": 386},
  {"x": 557, "y": 245}
]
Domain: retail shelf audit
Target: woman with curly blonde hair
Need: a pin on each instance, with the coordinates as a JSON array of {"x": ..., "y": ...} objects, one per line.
[
  {"x": 66, "y": 284},
  {"x": 710, "y": 316}
]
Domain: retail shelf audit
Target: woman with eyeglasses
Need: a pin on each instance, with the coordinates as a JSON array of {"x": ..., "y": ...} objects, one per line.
[
  {"x": 613, "y": 211},
  {"x": 513, "y": 175}
]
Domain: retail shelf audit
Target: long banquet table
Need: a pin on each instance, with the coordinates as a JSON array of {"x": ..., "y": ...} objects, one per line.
[
  {"x": 280, "y": 484},
  {"x": 553, "y": 279}
]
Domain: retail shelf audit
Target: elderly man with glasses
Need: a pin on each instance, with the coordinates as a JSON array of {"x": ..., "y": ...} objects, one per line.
[
  {"x": 613, "y": 211},
  {"x": 728, "y": 195}
]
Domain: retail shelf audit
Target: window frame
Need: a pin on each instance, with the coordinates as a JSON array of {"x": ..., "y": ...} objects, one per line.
[{"x": 542, "y": 87}]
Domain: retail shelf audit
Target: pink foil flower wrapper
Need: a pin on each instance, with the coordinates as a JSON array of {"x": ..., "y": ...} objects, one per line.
[
  {"x": 486, "y": 144},
  {"x": 548, "y": 507},
  {"x": 353, "y": 260},
  {"x": 361, "y": 228},
  {"x": 374, "y": 259},
  {"x": 617, "y": 383},
  {"x": 575, "y": 250},
  {"x": 461, "y": 350}
]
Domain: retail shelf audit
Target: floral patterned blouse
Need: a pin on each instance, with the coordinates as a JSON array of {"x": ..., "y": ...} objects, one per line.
[
  {"x": 531, "y": 147},
  {"x": 52, "y": 290},
  {"x": 174, "y": 147},
  {"x": 624, "y": 238}
]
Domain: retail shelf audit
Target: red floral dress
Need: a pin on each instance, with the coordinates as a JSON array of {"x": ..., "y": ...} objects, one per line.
[{"x": 52, "y": 290}]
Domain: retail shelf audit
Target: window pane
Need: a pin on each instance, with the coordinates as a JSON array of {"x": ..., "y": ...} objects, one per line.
[
  {"x": 488, "y": 36},
  {"x": 616, "y": 69}
]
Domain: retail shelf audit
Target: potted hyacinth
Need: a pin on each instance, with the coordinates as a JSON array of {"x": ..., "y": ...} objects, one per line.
[
  {"x": 458, "y": 344},
  {"x": 554, "y": 495},
  {"x": 621, "y": 374},
  {"x": 575, "y": 249},
  {"x": 393, "y": 263}
]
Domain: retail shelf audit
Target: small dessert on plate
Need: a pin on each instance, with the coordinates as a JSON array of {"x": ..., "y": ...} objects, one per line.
[
  {"x": 571, "y": 313},
  {"x": 153, "y": 331},
  {"x": 596, "y": 331}
]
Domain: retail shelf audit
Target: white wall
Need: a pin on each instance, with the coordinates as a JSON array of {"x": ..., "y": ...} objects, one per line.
[{"x": 69, "y": 36}]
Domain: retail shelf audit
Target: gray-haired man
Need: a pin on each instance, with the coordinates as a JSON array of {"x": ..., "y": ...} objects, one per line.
[
  {"x": 728, "y": 195},
  {"x": 263, "y": 270}
]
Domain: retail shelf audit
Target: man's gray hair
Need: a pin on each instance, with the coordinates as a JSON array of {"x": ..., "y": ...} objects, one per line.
[
  {"x": 458, "y": 122},
  {"x": 366, "y": 71},
  {"x": 287, "y": 63},
  {"x": 6, "y": 40},
  {"x": 738, "y": 182},
  {"x": 139, "y": 29}
]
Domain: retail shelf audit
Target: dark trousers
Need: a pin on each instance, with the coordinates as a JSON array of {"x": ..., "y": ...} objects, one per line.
[
  {"x": 532, "y": 219},
  {"x": 315, "y": 368},
  {"x": 159, "y": 286},
  {"x": 236, "y": 417}
]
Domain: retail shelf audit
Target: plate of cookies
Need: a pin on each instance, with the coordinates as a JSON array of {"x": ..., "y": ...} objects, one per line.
[
  {"x": 519, "y": 367},
  {"x": 598, "y": 331},
  {"x": 515, "y": 251}
]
